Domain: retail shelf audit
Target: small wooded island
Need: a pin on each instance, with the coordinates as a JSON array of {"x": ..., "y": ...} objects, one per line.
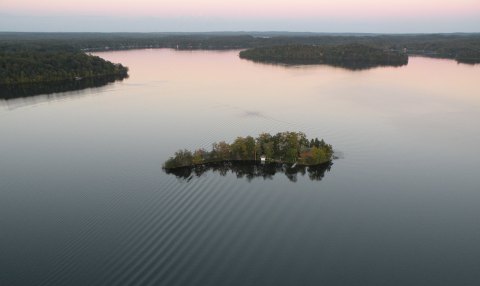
[
  {"x": 22, "y": 63},
  {"x": 351, "y": 56},
  {"x": 284, "y": 147}
]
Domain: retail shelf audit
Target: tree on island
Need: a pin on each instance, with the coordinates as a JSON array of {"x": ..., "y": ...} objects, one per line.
[
  {"x": 350, "y": 56},
  {"x": 283, "y": 147}
]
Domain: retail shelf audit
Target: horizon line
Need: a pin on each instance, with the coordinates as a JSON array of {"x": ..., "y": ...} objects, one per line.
[{"x": 241, "y": 31}]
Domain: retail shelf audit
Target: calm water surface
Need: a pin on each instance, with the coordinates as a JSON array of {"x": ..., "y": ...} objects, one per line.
[{"x": 84, "y": 201}]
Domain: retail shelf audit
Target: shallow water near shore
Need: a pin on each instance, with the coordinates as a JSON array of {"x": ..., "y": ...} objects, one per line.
[{"x": 84, "y": 199}]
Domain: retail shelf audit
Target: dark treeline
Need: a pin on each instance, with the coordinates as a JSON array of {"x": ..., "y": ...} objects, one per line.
[
  {"x": 284, "y": 147},
  {"x": 251, "y": 170},
  {"x": 352, "y": 56},
  {"x": 10, "y": 91},
  {"x": 31, "y": 62},
  {"x": 464, "y": 48}
]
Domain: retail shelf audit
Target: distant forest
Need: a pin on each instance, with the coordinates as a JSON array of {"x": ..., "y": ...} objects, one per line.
[
  {"x": 464, "y": 48},
  {"x": 351, "y": 56},
  {"x": 46, "y": 57},
  {"x": 22, "y": 63}
]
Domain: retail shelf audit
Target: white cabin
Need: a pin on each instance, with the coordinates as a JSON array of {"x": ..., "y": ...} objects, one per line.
[{"x": 263, "y": 159}]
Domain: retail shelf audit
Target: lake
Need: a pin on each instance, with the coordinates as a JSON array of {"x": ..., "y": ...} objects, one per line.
[{"x": 84, "y": 199}]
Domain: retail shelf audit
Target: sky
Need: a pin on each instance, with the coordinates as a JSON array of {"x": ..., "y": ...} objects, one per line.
[{"x": 334, "y": 16}]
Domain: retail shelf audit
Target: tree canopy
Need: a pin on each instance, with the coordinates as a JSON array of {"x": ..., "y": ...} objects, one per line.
[
  {"x": 37, "y": 63},
  {"x": 283, "y": 147},
  {"x": 463, "y": 47},
  {"x": 352, "y": 56}
]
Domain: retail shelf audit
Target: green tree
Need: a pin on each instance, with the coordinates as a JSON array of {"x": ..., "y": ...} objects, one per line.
[
  {"x": 199, "y": 156},
  {"x": 222, "y": 150},
  {"x": 239, "y": 149}
]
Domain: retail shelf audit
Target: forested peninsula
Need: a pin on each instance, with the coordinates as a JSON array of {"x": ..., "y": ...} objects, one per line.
[
  {"x": 462, "y": 47},
  {"x": 47, "y": 57},
  {"x": 351, "y": 56},
  {"x": 283, "y": 147},
  {"x": 23, "y": 63}
]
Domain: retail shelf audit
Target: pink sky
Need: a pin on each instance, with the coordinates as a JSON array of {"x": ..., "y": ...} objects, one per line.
[
  {"x": 234, "y": 15},
  {"x": 249, "y": 8}
]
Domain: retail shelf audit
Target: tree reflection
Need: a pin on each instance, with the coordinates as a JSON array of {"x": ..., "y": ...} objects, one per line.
[
  {"x": 8, "y": 92},
  {"x": 251, "y": 170}
]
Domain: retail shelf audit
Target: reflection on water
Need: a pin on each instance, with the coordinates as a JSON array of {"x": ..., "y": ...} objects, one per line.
[
  {"x": 8, "y": 92},
  {"x": 251, "y": 170},
  {"x": 351, "y": 66},
  {"x": 83, "y": 199}
]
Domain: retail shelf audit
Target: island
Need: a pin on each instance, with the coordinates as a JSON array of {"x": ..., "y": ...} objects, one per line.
[
  {"x": 282, "y": 148},
  {"x": 350, "y": 56},
  {"x": 32, "y": 63}
]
